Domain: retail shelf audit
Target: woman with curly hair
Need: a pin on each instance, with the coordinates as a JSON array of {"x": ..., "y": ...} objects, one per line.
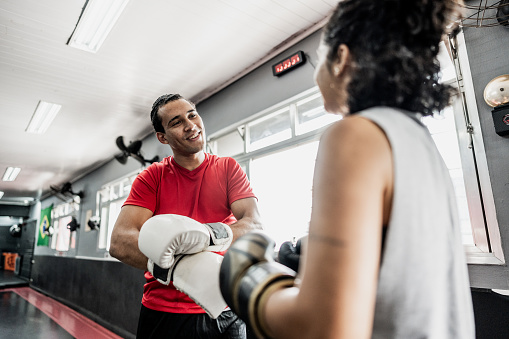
[{"x": 384, "y": 256}]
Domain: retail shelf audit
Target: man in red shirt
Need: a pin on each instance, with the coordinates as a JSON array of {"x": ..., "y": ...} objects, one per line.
[{"x": 191, "y": 183}]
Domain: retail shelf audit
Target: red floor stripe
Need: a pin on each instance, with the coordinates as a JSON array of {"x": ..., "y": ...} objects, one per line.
[{"x": 73, "y": 322}]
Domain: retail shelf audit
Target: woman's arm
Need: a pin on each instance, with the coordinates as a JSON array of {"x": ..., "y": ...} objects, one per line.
[{"x": 351, "y": 199}]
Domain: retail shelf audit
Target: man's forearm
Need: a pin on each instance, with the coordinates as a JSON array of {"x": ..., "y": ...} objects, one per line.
[
  {"x": 245, "y": 225},
  {"x": 125, "y": 248}
]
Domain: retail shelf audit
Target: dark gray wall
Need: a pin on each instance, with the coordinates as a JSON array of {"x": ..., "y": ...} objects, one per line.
[
  {"x": 260, "y": 89},
  {"x": 22, "y": 245},
  {"x": 7, "y": 242}
]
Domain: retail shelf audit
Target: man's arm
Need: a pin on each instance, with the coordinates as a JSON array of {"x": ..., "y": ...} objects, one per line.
[
  {"x": 247, "y": 215},
  {"x": 124, "y": 238}
]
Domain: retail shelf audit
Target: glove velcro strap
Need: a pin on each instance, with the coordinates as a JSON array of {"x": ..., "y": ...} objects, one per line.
[
  {"x": 160, "y": 273},
  {"x": 163, "y": 275},
  {"x": 221, "y": 236},
  {"x": 258, "y": 280},
  {"x": 218, "y": 232}
]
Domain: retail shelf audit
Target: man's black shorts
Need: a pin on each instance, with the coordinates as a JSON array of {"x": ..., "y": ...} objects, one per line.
[{"x": 155, "y": 324}]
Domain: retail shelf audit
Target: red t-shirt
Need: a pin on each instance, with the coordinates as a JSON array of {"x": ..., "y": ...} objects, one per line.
[{"x": 203, "y": 194}]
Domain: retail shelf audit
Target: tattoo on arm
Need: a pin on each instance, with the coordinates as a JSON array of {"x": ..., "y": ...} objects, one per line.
[{"x": 327, "y": 240}]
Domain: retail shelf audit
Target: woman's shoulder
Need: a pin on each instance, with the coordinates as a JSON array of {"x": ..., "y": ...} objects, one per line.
[{"x": 353, "y": 128}]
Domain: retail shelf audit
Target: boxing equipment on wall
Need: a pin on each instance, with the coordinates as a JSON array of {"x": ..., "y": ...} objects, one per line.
[{"x": 496, "y": 95}]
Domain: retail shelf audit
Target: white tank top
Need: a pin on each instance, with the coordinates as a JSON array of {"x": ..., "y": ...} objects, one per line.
[{"x": 423, "y": 287}]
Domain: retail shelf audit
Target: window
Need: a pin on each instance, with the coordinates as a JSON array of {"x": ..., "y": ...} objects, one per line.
[
  {"x": 269, "y": 130},
  {"x": 277, "y": 148},
  {"x": 311, "y": 114},
  {"x": 285, "y": 215},
  {"x": 486, "y": 247},
  {"x": 443, "y": 131},
  {"x": 110, "y": 199},
  {"x": 61, "y": 215}
]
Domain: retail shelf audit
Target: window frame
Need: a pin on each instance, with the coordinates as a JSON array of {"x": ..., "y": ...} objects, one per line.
[
  {"x": 63, "y": 210},
  {"x": 103, "y": 206},
  {"x": 470, "y": 137}
]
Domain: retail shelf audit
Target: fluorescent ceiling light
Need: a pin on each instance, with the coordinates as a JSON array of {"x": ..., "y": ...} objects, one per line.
[
  {"x": 95, "y": 23},
  {"x": 11, "y": 173},
  {"x": 1, "y": 194},
  {"x": 42, "y": 118}
]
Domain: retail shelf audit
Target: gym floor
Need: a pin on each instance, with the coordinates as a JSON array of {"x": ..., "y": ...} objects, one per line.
[{"x": 27, "y": 313}]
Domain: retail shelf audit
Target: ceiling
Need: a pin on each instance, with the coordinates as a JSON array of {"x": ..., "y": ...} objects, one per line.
[{"x": 158, "y": 46}]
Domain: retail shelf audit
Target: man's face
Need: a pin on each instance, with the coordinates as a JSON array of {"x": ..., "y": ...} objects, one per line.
[{"x": 183, "y": 128}]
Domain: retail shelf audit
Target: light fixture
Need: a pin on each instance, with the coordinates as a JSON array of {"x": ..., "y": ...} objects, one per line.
[
  {"x": 496, "y": 95},
  {"x": 1, "y": 194},
  {"x": 11, "y": 173},
  {"x": 95, "y": 22},
  {"x": 42, "y": 117}
]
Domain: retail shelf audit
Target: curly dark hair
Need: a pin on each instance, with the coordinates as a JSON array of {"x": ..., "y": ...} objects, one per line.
[
  {"x": 394, "y": 44},
  {"x": 161, "y": 101}
]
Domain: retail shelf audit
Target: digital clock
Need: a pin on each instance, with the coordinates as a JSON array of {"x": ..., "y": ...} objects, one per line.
[{"x": 289, "y": 63}]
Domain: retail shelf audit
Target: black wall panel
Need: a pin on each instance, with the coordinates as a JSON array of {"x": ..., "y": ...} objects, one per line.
[
  {"x": 23, "y": 246},
  {"x": 491, "y": 311},
  {"x": 8, "y": 243},
  {"x": 108, "y": 292},
  {"x": 14, "y": 211}
]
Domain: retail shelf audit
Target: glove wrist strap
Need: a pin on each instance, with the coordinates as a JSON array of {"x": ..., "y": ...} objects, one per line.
[{"x": 160, "y": 273}]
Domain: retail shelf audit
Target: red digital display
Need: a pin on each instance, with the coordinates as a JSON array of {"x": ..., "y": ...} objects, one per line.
[{"x": 289, "y": 63}]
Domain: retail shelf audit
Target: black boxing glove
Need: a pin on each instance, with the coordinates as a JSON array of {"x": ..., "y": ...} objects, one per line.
[
  {"x": 289, "y": 254},
  {"x": 248, "y": 272}
]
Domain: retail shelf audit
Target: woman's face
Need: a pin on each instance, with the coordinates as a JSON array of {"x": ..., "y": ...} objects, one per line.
[{"x": 332, "y": 81}]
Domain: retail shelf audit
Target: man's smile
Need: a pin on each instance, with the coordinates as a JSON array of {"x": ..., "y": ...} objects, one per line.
[{"x": 194, "y": 136}]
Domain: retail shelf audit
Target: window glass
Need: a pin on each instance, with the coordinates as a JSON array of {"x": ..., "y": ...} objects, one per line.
[
  {"x": 282, "y": 184},
  {"x": 103, "y": 230},
  {"x": 64, "y": 234},
  {"x": 448, "y": 72},
  {"x": 270, "y": 130},
  {"x": 443, "y": 132},
  {"x": 110, "y": 198},
  {"x": 112, "y": 217},
  {"x": 62, "y": 238},
  {"x": 311, "y": 115},
  {"x": 228, "y": 145}
]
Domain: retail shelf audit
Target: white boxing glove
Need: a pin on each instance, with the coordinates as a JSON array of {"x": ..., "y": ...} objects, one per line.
[
  {"x": 197, "y": 275},
  {"x": 165, "y": 235}
]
